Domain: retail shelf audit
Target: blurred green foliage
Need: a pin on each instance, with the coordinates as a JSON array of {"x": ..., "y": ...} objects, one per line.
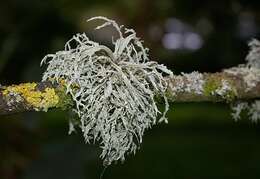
[{"x": 200, "y": 141}]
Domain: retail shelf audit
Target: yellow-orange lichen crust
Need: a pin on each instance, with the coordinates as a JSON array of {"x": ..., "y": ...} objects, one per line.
[{"x": 39, "y": 100}]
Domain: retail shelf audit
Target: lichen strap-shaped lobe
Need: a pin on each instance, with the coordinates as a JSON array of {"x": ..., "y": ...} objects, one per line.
[{"x": 113, "y": 90}]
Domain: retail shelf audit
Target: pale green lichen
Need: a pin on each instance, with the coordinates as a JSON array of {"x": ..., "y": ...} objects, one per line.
[
  {"x": 253, "y": 57},
  {"x": 237, "y": 109},
  {"x": 251, "y": 76},
  {"x": 38, "y": 100},
  {"x": 113, "y": 89},
  {"x": 251, "y": 70},
  {"x": 252, "y": 109}
]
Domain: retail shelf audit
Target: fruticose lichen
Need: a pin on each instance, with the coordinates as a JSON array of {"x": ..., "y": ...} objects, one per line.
[
  {"x": 253, "y": 57},
  {"x": 252, "y": 110},
  {"x": 237, "y": 109},
  {"x": 38, "y": 100},
  {"x": 251, "y": 70},
  {"x": 113, "y": 89},
  {"x": 251, "y": 76}
]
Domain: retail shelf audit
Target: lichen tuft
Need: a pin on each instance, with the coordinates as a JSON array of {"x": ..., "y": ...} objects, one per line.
[
  {"x": 251, "y": 76},
  {"x": 113, "y": 89}
]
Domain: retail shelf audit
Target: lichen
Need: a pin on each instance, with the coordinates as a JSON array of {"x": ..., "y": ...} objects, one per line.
[
  {"x": 237, "y": 109},
  {"x": 38, "y": 100},
  {"x": 251, "y": 70},
  {"x": 188, "y": 82},
  {"x": 253, "y": 57},
  {"x": 252, "y": 109},
  {"x": 113, "y": 89},
  {"x": 250, "y": 73}
]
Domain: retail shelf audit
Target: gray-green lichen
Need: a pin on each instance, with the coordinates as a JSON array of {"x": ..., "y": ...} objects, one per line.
[
  {"x": 251, "y": 76},
  {"x": 113, "y": 89},
  {"x": 252, "y": 109},
  {"x": 251, "y": 70},
  {"x": 253, "y": 57}
]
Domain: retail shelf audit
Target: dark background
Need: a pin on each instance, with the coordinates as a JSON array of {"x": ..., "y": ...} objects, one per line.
[{"x": 200, "y": 141}]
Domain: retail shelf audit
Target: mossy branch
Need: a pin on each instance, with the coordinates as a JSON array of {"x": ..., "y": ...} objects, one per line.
[{"x": 43, "y": 96}]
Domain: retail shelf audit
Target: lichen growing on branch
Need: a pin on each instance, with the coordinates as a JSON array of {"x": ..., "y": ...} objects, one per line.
[
  {"x": 253, "y": 57},
  {"x": 113, "y": 89},
  {"x": 251, "y": 73},
  {"x": 251, "y": 70},
  {"x": 252, "y": 109}
]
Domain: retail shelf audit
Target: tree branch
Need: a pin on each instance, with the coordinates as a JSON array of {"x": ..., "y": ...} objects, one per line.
[
  {"x": 217, "y": 87},
  {"x": 212, "y": 87}
]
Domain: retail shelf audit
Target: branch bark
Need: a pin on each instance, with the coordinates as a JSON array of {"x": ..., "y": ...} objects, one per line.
[{"x": 42, "y": 96}]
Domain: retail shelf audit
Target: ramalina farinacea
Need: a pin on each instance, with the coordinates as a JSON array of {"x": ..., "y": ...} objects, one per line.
[{"x": 114, "y": 90}]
